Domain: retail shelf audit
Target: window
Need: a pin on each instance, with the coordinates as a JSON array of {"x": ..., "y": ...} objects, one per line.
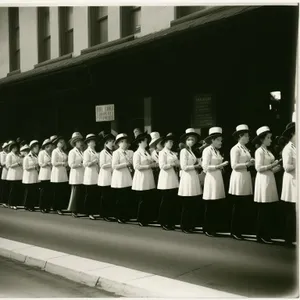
[
  {"x": 98, "y": 25},
  {"x": 130, "y": 20},
  {"x": 44, "y": 34},
  {"x": 14, "y": 38},
  {"x": 66, "y": 30},
  {"x": 182, "y": 11}
]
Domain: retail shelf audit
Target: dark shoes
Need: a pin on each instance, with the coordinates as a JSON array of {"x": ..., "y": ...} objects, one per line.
[
  {"x": 264, "y": 240},
  {"x": 142, "y": 224},
  {"x": 121, "y": 221},
  {"x": 210, "y": 234},
  {"x": 59, "y": 212},
  {"x": 92, "y": 217},
  {"x": 237, "y": 237},
  {"x": 168, "y": 227}
]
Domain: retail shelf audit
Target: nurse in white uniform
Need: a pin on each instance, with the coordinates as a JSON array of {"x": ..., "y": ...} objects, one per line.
[
  {"x": 30, "y": 177},
  {"x": 240, "y": 185},
  {"x": 121, "y": 181},
  {"x": 143, "y": 180},
  {"x": 4, "y": 182},
  {"x": 214, "y": 191},
  {"x": 104, "y": 178},
  {"x": 46, "y": 192},
  {"x": 189, "y": 186},
  {"x": 59, "y": 176},
  {"x": 90, "y": 178},
  {"x": 155, "y": 147},
  {"x": 75, "y": 161},
  {"x": 14, "y": 176},
  {"x": 289, "y": 193},
  {"x": 168, "y": 183},
  {"x": 265, "y": 190}
]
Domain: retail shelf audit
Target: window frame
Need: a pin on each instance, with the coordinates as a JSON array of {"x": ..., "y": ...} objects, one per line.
[
  {"x": 95, "y": 24},
  {"x": 64, "y": 31},
  {"x": 14, "y": 39},
  {"x": 44, "y": 34}
]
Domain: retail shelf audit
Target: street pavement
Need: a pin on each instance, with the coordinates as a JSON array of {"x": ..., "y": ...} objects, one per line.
[
  {"x": 18, "y": 280},
  {"x": 240, "y": 267}
]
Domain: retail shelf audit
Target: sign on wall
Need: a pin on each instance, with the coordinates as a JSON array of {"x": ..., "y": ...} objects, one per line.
[
  {"x": 105, "y": 113},
  {"x": 203, "y": 111}
]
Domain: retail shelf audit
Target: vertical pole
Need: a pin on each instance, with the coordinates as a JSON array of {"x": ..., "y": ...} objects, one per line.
[{"x": 148, "y": 114}]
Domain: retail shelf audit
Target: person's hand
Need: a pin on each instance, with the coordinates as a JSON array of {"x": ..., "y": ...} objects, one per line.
[
  {"x": 250, "y": 163},
  {"x": 275, "y": 163},
  {"x": 224, "y": 164},
  {"x": 276, "y": 169},
  {"x": 128, "y": 164}
]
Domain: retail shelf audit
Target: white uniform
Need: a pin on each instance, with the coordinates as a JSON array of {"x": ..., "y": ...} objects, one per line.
[
  {"x": 167, "y": 178},
  {"x": 240, "y": 180},
  {"x": 30, "y": 166},
  {"x": 91, "y": 171},
  {"x": 105, "y": 174},
  {"x": 75, "y": 161},
  {"x": 121, "y": 176},
  {"x": 213, "y": 182},
  {"x": 45, "y": 169},
  {"x": 14, "y": 166},
  {"x": 59, "y": 171},
  {"x": 265, "y": 190},
  {"x": 289, "y": 193},
  {"x": 155, "y": 156},
  {"x": 143, "y": 179},
  {"x": 189, "y": 179},
  {"x": 3, "y": 163}
]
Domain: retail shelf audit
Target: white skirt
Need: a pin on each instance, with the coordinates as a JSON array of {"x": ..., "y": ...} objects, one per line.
[
  {"x": 189, "y": 184},
  {"x": 265, "y": 190},
  {"x": 143, "y": 180},
  {"x": 240, "y": 183},
  {"x": 213, "y": 186}
]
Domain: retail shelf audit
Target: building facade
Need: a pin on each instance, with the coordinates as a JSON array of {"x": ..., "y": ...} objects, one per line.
[{"x": 165, "y": 68}]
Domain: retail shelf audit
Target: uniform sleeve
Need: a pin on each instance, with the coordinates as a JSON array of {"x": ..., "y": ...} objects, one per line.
[
  {"x": 41, "y": 160},
  {"x": 234, "y": 159},
  {"x": 287, "y": 161},
  {"x": 26, "y": 164},
  {"x": 55, "y": 159},
  {"x": 2, "y": 161},
  {"x": 137, "y": 162},
  {"x": 162, "y": 160},
  {"x": 102, "y": 160},
  {"x": 206, "y": 161},
  {"x": 184, "y": 156},
  {"x": 259, "y": 162},
  {"x": 116, "y": 161},
  {"x": 72, "y": 160}
]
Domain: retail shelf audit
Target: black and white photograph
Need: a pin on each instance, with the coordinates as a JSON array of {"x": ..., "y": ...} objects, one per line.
[{"x": 149, "y": 151}]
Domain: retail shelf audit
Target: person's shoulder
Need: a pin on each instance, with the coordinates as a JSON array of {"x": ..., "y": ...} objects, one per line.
[{"x": 206, "y": 150}]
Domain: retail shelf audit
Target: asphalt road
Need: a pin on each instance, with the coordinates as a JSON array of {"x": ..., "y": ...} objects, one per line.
[
  {"x": 241, "y": 267},
  {"x": 20, "y": 281}
]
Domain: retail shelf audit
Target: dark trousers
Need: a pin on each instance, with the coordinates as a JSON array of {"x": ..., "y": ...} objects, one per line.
[
  {"x": 108, "y": 203},
  {"x": 61, "y": 194},
  {"x": 290, "y": 221},
  {"x": 213, "y": 215},
  {"x": 146, "y": 206},
  {"x": 188, "y": 212},
  {"x": 31, "y": 195},
  {"x": 77, "y": 198},
  {"x": 15, "y": 195},
  {"x": 92, "y": 200},
  {"x": 46, "y": 195},
  {"x": 5, "y": 187},
  {"x": 123, "y": 198},
  {"x": 167, "y": 209},
  {"x": 265, "y": 213},
  {"x": 240, "y": 213}
]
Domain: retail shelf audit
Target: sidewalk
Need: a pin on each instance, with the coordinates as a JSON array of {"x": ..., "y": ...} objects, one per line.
[{"x": 119, "y": 280}]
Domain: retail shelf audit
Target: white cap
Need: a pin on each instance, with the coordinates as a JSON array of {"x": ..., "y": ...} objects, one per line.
[
  {"x": 90, "y": 135},
  {"x": 4, "y": 145},
  {"x": 155, "y": 136},
  {"x": 242, "y": 127},
  {"x": 76, "y": 135},
  {"x": 262, "y": 129},
  {"x": 53, "y": 137},
  {"x": 33, "y": 142},
  {"x": 46, "y": 141},
  {"x": 121, "y": 136},
  {"x": 214, "y": 130},
  {"x": 25, "y": 147},
  {"x": 190, "y": 130}
]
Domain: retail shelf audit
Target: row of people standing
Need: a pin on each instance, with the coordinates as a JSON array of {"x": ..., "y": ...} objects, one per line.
[{"x": 122, "y": 171}]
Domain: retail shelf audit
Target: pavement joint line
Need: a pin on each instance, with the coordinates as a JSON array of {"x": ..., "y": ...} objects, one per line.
[{"x": 112, "y": 278}]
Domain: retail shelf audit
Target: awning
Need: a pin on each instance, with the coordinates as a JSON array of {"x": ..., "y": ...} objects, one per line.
[{"x": 214, "y": 14}]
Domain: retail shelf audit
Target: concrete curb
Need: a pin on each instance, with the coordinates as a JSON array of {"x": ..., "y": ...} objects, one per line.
[{"x": 116, "y": 279}]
